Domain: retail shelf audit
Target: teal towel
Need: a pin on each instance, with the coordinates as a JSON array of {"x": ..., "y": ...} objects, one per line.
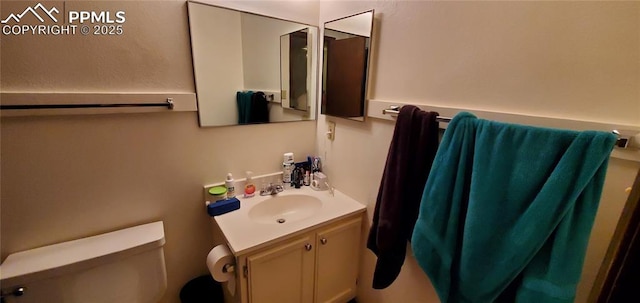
[
  {"x": 243, "y": 100},
  {"x": 507, "y": 211}
]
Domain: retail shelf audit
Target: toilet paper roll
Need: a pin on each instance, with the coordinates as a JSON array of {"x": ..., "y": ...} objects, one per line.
[{"x": 218, "y": 257}]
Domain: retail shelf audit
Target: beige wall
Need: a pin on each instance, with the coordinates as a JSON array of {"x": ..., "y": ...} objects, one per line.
[
  {"x": 153, "y": 39},
  {"x": 72, "y": 176},
  {"x": 572, "y": 60},
  {"x": 66, "y": 177},
  {"x": 261, "y": 50}
]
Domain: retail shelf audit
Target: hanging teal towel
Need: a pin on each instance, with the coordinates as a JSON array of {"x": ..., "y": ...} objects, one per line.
[
  {"x": 243, "y": 100},
  {"x": 507, "y": 211}
]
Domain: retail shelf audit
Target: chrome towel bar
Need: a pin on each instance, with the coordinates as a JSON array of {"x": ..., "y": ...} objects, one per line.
[
  {"x": 394, "y": 110},
  {"x": 623, "y": 141},
  {"x": 168, "y": 104}
]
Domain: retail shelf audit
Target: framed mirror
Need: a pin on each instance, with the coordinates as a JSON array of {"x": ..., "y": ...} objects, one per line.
[
  {"x": 240, "y": 67},
  {"x": 347, "y": 44}
]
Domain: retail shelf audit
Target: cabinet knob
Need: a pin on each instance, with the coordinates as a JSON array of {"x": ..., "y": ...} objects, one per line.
[
  {"x": 307, "y": 247},
  {"x": 323, "y": 241}
]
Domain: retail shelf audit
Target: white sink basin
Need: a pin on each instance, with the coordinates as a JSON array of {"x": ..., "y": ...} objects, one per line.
[{"x": 286, "y": 208}]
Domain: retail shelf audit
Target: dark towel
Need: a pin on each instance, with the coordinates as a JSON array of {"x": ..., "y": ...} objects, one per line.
[
  {"x": 259, "y": 108},
  {"x": 413, "y": 147},
  {"x": 507, "y": 211}
]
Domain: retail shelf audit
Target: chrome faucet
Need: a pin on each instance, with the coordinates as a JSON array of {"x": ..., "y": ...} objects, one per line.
[{"x": 271, "y": 189}]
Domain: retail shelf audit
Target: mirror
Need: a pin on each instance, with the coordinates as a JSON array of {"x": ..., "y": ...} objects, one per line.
[
  {"x": 347, "y": 44},
  {"x": 240, "y": 67}
]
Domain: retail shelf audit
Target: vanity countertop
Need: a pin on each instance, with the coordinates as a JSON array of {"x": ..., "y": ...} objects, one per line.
[{"x": 244, "y": 235}]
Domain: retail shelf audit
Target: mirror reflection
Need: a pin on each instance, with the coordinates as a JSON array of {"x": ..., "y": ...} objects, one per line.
[
  {"x": 346, "y": 50},
  {"x": 242, "y": 73},
  {"x": 295, "y": 64}
]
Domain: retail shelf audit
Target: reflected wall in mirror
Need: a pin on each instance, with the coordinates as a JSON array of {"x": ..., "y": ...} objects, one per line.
[
  {"x": 237, "y": 64},
  {"x": 347, "y": 44},
  {"x": 294, "y": 69}
]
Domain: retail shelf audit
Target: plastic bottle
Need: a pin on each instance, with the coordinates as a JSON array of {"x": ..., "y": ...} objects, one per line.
[
  {"x": 307, "y": 177},
  {"x": 297, "y": 178},
  {"x": 249, "y": 188},
  {"x": 287, "y": 169},
  {"x": 287, "y": 158},
  {"x": 229, "y": 183}
]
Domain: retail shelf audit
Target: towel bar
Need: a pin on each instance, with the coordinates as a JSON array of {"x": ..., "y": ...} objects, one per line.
[
  {"x": 623, "y": 141},
  {"x": 168, "y": 104},
  {"x": 395, "y": 110}
]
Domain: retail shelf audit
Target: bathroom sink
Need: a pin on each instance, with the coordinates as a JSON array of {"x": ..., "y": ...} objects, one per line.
[
  {"x": 283, "y": 209},
  {"x": 257, "y": 222}
]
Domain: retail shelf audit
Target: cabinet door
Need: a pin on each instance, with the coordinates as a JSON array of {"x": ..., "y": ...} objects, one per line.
[
  {"x": 337, "y": 262},
  {"x": 283, "y": 274}
]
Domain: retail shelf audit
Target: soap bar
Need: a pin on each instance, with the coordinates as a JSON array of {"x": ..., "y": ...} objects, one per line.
[{"x": 223, "y": 207}]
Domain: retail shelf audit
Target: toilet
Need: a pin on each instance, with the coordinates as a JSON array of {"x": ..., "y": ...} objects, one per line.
[{"x": 124, "y": 266}]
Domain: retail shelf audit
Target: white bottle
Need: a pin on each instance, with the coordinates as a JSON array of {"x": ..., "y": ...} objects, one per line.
[
  {"x": 229, "y": 183},
  {"x": 287, "y": 158},
  {"x": 286, "y": 174}
]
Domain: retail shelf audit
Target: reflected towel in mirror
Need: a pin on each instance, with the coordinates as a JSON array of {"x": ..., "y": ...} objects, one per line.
[{"x": 252, "y": 107}]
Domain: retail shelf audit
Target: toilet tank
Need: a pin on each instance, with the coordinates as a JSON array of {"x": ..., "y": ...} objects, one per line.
[{"x": 124, "y": 266}]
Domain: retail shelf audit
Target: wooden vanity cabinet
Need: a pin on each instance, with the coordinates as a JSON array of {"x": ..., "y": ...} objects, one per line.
[
  {"x": 320, "y": 265},
  {"x": 337, "y": 259},
  {"x": 282, "y": 272}
]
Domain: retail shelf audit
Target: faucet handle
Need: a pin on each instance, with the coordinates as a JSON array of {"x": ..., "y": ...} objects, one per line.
[
  {"x": 330, "y": 188},
  {"x": 266, "y": 189},
  {"x": 278, "y": 188}
]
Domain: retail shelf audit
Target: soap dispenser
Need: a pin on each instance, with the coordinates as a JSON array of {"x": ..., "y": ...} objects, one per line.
[
  {"x": 249, "y": 188},
  {"x": 229, "y": 183}
]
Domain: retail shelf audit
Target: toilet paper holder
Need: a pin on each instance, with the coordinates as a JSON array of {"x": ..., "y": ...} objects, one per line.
[{"x": 228, "y": 268}]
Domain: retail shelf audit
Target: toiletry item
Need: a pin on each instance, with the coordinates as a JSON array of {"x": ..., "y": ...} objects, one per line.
[
  {"x": 249, "y": 188},
  {"x": 288, "y": 167},
  {"x": 321, "y": 178},
  {"x": 229, "y": 183},
  {"x": 287, "y": 158},
  {"x": 319, "y": 185},
  {"x": 296, "y": 177},
  {"x": 307, "y": 177},
  {"x": 314, "y": 184},
  {"x": 307, "y": 172},
  {"x": 217, "y": 193},
  {"x": 320, "y": 181},
  {"x": 287, "y": 170},
  {"x": 223, "y": 207},
  {"x": 316, "y": 164}
]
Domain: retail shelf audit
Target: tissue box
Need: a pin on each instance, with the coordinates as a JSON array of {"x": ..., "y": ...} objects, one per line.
[{"x": 223, "y": 206}]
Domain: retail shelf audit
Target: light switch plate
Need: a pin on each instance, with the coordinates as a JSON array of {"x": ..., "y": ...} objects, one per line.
[{"x": 331, "y": 130}]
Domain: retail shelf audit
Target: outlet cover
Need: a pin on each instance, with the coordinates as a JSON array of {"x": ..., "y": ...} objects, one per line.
[{"x": 331, "y": 130}]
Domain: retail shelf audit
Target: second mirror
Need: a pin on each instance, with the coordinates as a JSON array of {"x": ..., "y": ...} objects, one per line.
[{"x": 347, "y": 43}]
